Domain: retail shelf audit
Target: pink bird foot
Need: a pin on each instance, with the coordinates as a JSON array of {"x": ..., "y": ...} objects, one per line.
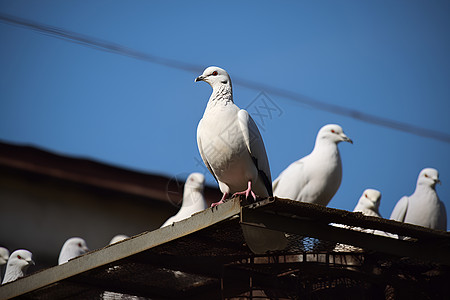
[
  {"x": 247, "y": 192},
  {"x": 225, "y": 195}
]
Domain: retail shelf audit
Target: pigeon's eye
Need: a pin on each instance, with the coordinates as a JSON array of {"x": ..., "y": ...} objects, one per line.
[
  {"x": 332, "y": 130},
  {"x": 426, "y": 175},
  {"x": 19, "y": 257},
  {"x": 79, "y": 245},
  {"x": 365, "y": 195},
  {"x": 214, "y": 73}
]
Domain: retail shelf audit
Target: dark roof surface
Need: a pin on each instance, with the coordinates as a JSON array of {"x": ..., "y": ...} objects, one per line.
[{"x": 37, "y": 162}]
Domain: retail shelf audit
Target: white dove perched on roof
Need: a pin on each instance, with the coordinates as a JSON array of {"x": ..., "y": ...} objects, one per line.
[
  {"x": 4, "y": 256},
  {"x": 369, "y": 203},
  {"x": 232, "y": 148},
  {"x": 118, "y": 238},
  {"x": 193, "y": 199},
  {"x": 316, "y": 177},
  {"x": 423, "y": 207},
  {"x": 18, "y": 263},
  {"x": 230, "y": 143},
  {"x": 73, "y": 247}
]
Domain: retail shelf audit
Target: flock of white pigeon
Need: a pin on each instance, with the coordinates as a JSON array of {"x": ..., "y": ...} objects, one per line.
[{"x": 232, "y": 149}]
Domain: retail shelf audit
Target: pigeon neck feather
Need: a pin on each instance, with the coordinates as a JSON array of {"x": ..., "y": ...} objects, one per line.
[
  {"x": 193, "y": 198},
  {"x": 222, "y": 94},
  {"x": 14, "y": 272},
  {"x": 423, "y": 187},
  {"x": 326, "y": 146}
]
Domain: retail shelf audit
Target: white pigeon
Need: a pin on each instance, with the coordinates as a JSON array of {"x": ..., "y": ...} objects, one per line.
[
  {"x": 230, "y": 143},
  {"x": 193, "y": 199},
  {"x": 4, "y": 256},
  {"x": 369, "y": 203},
  {"x": 316, "y": 177},
  {"x": 232, "y": 149},
  {"x": 423, "y": 207},
  {"x": 118, "y": 238},
  {"x": 18, "y": 263},
  {"x": 73, "y": 247}
]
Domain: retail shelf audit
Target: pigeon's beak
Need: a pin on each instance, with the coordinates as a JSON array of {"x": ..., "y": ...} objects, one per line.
[
  {"x": 347, "y": 139},
  {"x": 437, "y": 181},
  {"x": 199, "y": 78},
  {"x": 31, "y": 262}
]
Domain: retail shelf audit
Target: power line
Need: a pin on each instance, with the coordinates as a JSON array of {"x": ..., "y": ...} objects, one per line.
[
  {"x": 352, "y": 113},
  {"x": 98, "y": 44},
  {"x": 112, "y": 47}
]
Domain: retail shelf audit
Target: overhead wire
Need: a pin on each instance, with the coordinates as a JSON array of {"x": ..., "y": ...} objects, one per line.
[{"x": 115, "y": 48}]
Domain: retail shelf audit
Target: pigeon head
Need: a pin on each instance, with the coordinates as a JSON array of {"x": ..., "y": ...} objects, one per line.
[
  {"x": 77, "y": 245},
  {"x": 192, "y": 189},
  {"x": 195, "y": 181},
  {"x": 333, "y": 133},
  {"x": 4, "y": 255},
  {"x": 118, "y": 238},
  {"x": 21, "y": 259},
  {"x": 371, "y": 198},
  {"x": 215, "y": 77},
  {"x": 429, "y": 177},
  {"x": 73, "y": 247}
]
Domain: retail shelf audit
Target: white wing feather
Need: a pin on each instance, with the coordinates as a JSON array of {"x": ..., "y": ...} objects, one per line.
[{"x": 400, "y": 209}]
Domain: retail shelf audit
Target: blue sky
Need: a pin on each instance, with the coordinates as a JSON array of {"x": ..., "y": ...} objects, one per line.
[{"x": 386, "y": 58}]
